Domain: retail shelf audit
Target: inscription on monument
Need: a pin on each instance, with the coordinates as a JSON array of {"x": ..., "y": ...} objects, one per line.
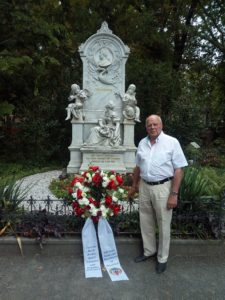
[{"x": 103, "y": 158}]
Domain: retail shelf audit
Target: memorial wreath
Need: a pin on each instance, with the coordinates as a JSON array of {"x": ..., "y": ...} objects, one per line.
[{"x": 97, "y": 193}]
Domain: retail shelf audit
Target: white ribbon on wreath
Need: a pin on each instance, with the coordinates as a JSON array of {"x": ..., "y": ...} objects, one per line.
[{"x": 108, "y": 251}]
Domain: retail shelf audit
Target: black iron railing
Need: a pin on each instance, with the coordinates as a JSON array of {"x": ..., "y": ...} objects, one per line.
[{"x": 202, "y": 218}]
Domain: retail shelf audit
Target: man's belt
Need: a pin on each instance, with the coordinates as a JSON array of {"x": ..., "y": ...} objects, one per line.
[{"x": 158, "y": 182}]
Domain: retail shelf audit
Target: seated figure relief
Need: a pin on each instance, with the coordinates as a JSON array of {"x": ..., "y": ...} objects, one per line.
[{"x": 107, "y": 133}]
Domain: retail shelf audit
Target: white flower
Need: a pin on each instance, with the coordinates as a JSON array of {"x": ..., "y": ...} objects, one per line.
[
  {"x": 93, "y": 210},
  {"x": 103, "y": 174},
  {"x": 86, "y": 189},
  {"x": 112, "y": 177},
  {"x": 74, "y": 195},
  {"x": 83, "y": 201},
  {"x": 114, "y": 198},
  {"x": 84, "y": 194},
  {"x": 89, "y": 177},
  {"x": 102, "y": 201},
  {"x": 104, "y": 184},
  {"x": 105, "y": 181},
  {"x": 121, "y": 191},
  {"x": 78, "y": 185},
  {"x": 104, "y": 211}
]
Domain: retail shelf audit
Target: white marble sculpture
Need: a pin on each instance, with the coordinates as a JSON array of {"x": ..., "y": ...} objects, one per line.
[
  {"x": 78, "y": 96},
  {"x": 130, "y": 109},
  {"x": 105, "y": 137},
  {"x": 107, "y": 133}
]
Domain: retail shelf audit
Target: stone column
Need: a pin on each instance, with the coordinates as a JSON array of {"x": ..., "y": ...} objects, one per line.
[
  {"x": 74, "y": 148},
  {"x": 128, "y": 143},
  {"x": 128, "y": 133}
]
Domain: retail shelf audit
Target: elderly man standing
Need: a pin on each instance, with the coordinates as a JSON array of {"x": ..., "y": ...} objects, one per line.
[{"x": 157, "y": 176}]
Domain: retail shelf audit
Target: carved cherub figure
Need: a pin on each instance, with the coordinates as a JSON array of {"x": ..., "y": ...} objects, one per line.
[
  {"x": 78, "y": 96},
  {"x": 130, "y": 109}
]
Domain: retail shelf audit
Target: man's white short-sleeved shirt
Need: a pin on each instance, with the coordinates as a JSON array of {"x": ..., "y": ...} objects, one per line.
[{"x": 158, "y": 161}]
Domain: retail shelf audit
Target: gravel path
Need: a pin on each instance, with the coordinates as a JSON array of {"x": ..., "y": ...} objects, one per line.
[
  {"x": 38, "y": 186},
  {"x": 40, "y": 183}
]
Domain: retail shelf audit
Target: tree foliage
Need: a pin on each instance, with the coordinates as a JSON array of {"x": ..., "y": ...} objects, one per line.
[{"x": 176, "y": 61}]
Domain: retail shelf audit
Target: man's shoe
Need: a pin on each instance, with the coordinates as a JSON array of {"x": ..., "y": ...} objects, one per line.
[
  {"x": 143, "y": 258},
  {"x": 160, "y": 267}
]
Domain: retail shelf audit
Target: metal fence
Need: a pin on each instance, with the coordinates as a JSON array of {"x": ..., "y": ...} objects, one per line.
[{"x": 202, "y": 218}]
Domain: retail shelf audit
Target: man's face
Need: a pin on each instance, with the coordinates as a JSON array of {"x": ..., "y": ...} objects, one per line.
[{"x": 153, "y": 126}]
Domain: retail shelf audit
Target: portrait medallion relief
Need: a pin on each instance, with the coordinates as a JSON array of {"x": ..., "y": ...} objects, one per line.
[{"x": 104, "y": 62}]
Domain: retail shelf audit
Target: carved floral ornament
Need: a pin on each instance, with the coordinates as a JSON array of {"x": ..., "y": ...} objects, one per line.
[{"x": 104, "y": 28}]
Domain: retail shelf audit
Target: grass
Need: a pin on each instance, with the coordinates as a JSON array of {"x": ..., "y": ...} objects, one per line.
[{"x": 22, "y": 169}]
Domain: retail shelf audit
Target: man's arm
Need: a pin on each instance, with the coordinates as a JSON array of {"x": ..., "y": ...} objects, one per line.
[
  {"x": 172, "y": 200},
  {"x": 136, "y": 178}
]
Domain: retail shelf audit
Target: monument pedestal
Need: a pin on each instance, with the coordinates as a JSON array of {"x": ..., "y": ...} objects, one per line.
[
  {"x": 74, "y": 148},
  {"x": 107, "y": 159},
  {"x": 129, "y": 159},
  {"x": 75, "y": 160}
]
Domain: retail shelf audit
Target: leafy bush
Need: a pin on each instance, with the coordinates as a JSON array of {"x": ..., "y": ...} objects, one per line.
[
  {"x": 11, "y": 196},
  {"x": 206, "y": 156},
  {"x": 192, "y": 153},
  {"x": 219, "y": 143},
  {"x": 212, "y": 157},
  {"x": 200, "y": 193},
  {"x": 215, "y": 178},
  {"x": 193, "y": 185},
  {"x": 59, "y": 187}
]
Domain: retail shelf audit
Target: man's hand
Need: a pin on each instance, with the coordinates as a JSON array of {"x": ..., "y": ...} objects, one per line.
[
  {"x": 135, "y": 185},
  {"x": 131, "y": 192},
  {"x": 172, "y": 201}
]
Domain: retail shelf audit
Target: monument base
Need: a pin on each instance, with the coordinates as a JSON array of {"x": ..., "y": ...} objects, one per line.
[
  {"x": 106, "y": 159},
  {"x": 129, "y": 158},
  {"x": 75, "y": 160}
]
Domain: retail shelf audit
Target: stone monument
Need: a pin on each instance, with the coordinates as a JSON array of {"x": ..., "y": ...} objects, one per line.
[{"x": 102, "y": 114}]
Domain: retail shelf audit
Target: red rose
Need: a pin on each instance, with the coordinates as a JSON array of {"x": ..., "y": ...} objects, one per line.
[
  {"x": 99, "y": 213},
  {"x": 79, "y": 211},
  {"x": 97, "y": 179},
  {"x": 84, "y": 174},
  {"x": 76, "y": 179},
  {"x": 95, "y": 219},
  {"x": 94, "y": 168},
  {"x": 74, "y": 205},
  {"x": 91, "y": 200},
  {"x": 116, "y": 209},
  {"x": 70, "y": 190},
  {"x": 111, "y": 185},
  {"x": 79, "y": 193},
  {"x": 108, "y": 200},
  {"x": 119, "y": 179}
]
